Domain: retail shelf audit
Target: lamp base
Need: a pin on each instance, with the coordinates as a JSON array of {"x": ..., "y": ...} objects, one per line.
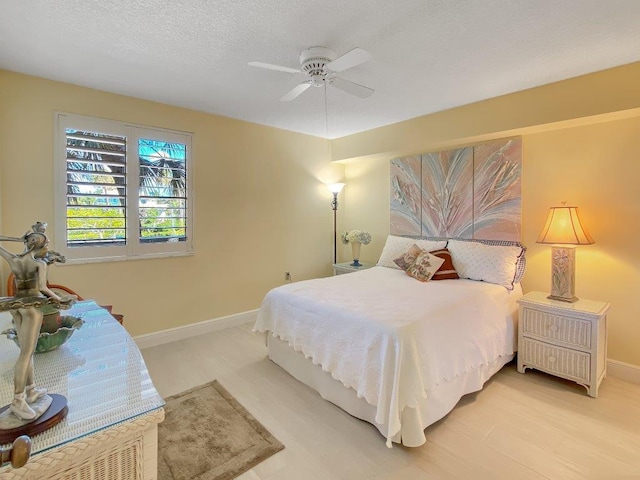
[
  {"x": 563, "y": 273},
  {"x": 563, "y": 299}
]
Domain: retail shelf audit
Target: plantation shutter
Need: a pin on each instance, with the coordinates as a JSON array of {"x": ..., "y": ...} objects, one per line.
[
  {"x": 122, "y": 191},
  {"x": 162, "y": 194},
  {"x": 96, "y": 181}
]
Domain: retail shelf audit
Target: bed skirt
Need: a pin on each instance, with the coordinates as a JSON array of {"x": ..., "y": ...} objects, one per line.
[{"x": 438, "y": 403}]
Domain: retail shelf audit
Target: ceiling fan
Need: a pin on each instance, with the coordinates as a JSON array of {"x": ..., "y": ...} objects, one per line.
[{"x": 321, "y": 65}]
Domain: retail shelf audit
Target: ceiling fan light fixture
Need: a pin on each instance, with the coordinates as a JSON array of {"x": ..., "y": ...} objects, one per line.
[
  {"x": 318, "y": 80},
  {"x": 320, "y": 65}
]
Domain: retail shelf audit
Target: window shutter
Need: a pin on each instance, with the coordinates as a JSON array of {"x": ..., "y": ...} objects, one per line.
[
  {"x": 123, "y": 191},
  {"x": 162, "y": 195},
  {"x": 96, "y": 206}
]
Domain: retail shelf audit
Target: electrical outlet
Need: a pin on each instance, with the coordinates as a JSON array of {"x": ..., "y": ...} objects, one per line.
[{"x": 287, "y": 276}]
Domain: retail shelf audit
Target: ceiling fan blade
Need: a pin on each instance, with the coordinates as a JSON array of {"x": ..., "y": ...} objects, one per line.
[
  {"x": 269, "y": 66},
  {"x": 351, "y": 87},
  {"x": 295, "y": 91},
  {"x": 350, "y": 59}
]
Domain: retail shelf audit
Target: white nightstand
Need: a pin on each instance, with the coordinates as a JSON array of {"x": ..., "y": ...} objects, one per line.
[
  {"x": 340, "y": 268},
  {"x": 568, "y": 340}
]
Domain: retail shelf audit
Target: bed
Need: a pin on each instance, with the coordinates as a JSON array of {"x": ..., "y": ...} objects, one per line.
[{"x": 392, "y": 350}]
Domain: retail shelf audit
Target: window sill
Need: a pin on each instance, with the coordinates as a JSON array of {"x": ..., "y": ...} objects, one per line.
[{"x": 155, "y": 256}]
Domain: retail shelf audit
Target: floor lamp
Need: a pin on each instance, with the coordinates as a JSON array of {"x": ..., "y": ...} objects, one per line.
[
  {"x": 335, "y": 188},
  {"x": 564, "y": 231}
]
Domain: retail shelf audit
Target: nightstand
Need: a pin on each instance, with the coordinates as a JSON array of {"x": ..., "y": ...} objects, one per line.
[
  {"x": 568, "y": 340},
  {"x": 340, "y": 268}
]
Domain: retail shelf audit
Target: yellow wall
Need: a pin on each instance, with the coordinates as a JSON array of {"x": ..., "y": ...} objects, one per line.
[
  {"x": 592, "y": 162},
  {"x": 608, "y": 94},
  {"x": 261, "y": 206}
]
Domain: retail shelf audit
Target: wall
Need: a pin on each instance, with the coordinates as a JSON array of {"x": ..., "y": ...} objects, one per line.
[
  {"x": 261, "y": 206},
  {"x": 608, "y": 94},
  {"x": 592, "y": 162}
]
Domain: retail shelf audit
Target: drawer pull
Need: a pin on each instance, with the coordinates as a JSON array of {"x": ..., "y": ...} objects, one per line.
[
  {"x": 553, "y": 328},
  {"x": 552, "y": 359}
]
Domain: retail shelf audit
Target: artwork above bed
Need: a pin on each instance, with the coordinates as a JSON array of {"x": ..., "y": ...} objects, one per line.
[{"x": 471, "y": 192}]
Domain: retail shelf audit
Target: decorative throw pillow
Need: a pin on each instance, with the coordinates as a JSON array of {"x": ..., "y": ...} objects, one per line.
[
  {"x": 424, "y": 266},
  {"x": 397, "y": 246},
  {"x": 446, "y": 271},
  {"x": 409, "y": 257},
  {"x": 489, "y": 263}
]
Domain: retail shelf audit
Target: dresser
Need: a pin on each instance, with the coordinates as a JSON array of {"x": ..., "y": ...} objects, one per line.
[
  {"x": 110, "y": 431},
  {"x": 568, "y": 340},
  {"x": 346, "y": 267}
]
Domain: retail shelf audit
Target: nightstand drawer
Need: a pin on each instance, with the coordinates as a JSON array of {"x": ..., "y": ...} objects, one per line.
[
  {"x": 558, "y": 328},
  {"x": 563, "y": 361}
]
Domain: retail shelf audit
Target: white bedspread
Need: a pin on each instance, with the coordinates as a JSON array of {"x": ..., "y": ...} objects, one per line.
[{"x": 390, "y": 337}]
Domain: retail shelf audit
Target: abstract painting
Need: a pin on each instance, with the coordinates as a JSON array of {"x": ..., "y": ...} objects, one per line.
[
  {"x": 497, "y": 190},
  {"x": 472, "y": 192},
  {"x": 406, "y": 196},
  {"x": 447, "y": 194}
]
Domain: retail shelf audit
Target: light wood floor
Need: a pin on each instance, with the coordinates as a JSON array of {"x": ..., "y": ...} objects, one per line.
[{"x": 530, "y": 426}]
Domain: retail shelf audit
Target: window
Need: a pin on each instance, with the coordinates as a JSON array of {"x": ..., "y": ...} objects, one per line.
[{"x": 122, "y": 191}]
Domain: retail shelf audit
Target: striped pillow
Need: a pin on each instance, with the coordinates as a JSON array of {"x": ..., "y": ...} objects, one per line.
[{"x": 446, "y": 270}]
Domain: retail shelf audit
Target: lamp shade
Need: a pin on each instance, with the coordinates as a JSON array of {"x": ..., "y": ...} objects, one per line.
[
  {"x": 335, "y": 187},
  {"x": 564, "y": 227}
]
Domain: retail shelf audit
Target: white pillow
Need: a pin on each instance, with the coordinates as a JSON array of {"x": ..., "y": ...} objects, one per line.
[
  {"x": 396, "y": 246},
  {"x": 489, "y": 263}
]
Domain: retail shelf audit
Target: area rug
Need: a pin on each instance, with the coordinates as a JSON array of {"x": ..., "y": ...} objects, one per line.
[{"x": 208, "y": 435}]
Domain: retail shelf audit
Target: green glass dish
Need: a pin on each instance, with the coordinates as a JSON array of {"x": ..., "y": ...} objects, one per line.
[{"x": 50, "y": 341}]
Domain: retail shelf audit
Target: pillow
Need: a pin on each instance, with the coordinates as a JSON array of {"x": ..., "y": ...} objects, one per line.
[
  {"x": 409, "y": 257},
  {"x": 397, "y": 246},
  {"x": 446, "y": 271},
  {"x": 522, "y": 260},
  {"x": 493, "y": 263},
  {"x": 424, "y": 266}
]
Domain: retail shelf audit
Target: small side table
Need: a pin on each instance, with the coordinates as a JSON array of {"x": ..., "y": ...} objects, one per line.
[
  {"x": 568, "y": 340},
  {"x": 346, "y": 267}
]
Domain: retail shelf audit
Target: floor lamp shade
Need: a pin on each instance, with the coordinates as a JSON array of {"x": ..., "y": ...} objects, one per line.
[
  {"x": 564, "y": 231},
  {"x": 335, "y": 187}
]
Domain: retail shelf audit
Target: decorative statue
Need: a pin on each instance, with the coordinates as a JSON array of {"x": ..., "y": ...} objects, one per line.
[{"x": 32, "y": 293}]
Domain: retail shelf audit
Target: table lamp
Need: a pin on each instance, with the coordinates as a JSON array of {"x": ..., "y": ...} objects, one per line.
[{"x": 564, "y": 231}]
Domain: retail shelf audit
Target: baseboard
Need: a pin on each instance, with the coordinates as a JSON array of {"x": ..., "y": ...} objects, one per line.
[
  {"x": 194, "y": 329},
  {"x": 623, "y": 371}
]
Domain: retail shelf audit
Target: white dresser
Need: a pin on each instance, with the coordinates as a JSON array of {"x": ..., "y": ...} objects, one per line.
[
  {"x": 110, "y": 431},
  {"x": 568, "y": 340}
]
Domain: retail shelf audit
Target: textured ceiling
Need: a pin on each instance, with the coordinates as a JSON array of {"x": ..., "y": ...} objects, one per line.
[{"x": 428, "y": 55}]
